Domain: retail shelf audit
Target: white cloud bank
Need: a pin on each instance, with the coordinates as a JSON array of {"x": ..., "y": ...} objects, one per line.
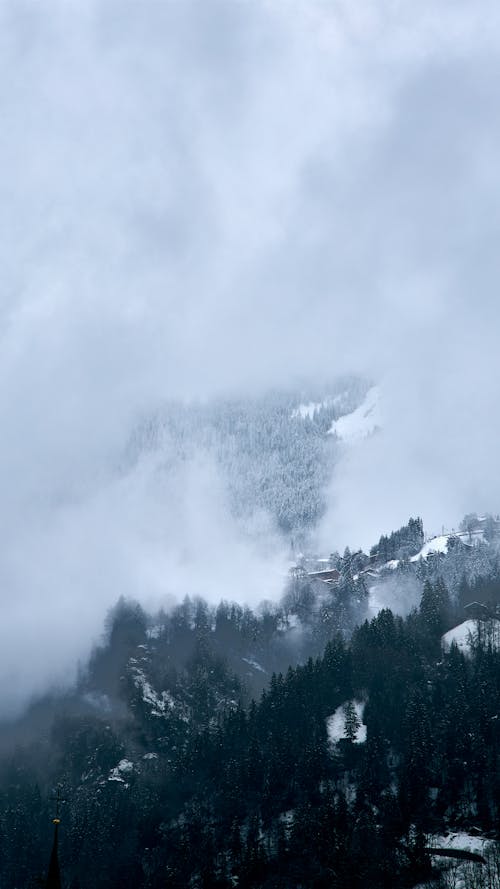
[{"x": 199, "y": 196}]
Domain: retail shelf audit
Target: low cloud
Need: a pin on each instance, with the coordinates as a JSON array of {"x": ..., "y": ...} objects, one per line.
[{"x": 202, "y": 198}]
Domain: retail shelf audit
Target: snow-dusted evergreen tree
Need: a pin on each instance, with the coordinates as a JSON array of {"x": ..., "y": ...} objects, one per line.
[{"x": 351, "y": 722}]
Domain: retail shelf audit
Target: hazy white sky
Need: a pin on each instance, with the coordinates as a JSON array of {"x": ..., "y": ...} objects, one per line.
[{"x": 185, "y": 186}]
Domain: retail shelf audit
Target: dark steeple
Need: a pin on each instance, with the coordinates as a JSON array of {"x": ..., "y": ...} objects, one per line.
[{"x": 54, "y": 875}]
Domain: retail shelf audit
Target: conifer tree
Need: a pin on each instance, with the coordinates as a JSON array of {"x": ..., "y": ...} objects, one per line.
[{"x": 351, "y": 722}]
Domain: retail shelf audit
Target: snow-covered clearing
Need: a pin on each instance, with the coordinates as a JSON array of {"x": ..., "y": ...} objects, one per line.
[
  {"x": 361, "y": 422},
  {"x": 470, "y": 632},
  {"x": 335, "y": 724},
  {"x": 463, "y": 635},
  {"x": 440, "y": 543},
  {"x": 460, "y": 840},
  {"x": 456, "y": 874},
  {"x": 435, "y": 545},
  {"x": 124, "y": 767}
]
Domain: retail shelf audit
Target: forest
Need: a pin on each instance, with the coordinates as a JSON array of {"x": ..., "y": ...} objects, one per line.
[
  {"x": 274, "y": 452},
  {"x": 197, "y": 748}
]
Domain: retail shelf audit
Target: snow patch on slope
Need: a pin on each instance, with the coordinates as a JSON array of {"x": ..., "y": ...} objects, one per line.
[
  {"x": 440, "y": 544},
  {"x": 465, "y": 841},
  {"x": 461, "y": 874},
  {"x": 313, "y": 407},
  {"x": 335, "y": 724},
  {"x": 463, "y": 636},
  {"x": 124, "y": 767},
  {"x": 362, "y": 422},
  {"x": 484, "y": 632},
  {"x": 159, "y": 703},
  {"x": 435, "y": 545}
]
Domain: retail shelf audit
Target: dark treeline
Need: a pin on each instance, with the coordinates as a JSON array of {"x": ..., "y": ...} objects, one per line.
[
  {"x": 195, "y": 788},
  {"x": 274, "y": 804},
  {"x": 194, "y": 750}
]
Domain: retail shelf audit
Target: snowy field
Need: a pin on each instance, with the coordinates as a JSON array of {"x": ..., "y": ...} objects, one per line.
[
  {"x": 336, "y": 727},
  {"x": 456, "y": 874},
  {"x": 361, "y": 422}
]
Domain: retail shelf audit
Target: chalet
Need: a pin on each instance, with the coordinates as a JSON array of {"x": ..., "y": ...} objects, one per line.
[
  {"x": 330, "y": 575},
  {"x": 370, "y": 573},
  {"x": 479, "y": 611}
]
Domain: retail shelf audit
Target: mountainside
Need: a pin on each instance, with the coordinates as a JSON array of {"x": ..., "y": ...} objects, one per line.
[
  {"x": 275, "y": 453},
  {"x": 200, "y": 747}
]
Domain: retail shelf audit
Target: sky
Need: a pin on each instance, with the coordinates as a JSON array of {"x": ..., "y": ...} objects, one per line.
[{"x": 225, "y": 195}]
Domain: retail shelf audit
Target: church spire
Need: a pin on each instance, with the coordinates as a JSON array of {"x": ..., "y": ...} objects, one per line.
[{"x": 53, "y": 880}]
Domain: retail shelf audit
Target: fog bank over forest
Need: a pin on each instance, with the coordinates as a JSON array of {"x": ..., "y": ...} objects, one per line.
[{"x": 227, "y": 200}]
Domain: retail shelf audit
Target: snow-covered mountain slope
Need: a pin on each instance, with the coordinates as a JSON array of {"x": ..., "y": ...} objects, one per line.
[
  {"x": 271, "y": 454},
  {"x": 466, "y": 561},
  {"x": 434, "y": 545},
  {"x": 471, "y": 632},
  {"x": 360, "y": 423},
  {"x": 463, "y": 636},
  {"x": 440, "y": 543}
]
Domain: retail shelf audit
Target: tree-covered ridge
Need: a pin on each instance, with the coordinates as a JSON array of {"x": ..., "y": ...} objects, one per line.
[
  {"x": 216, "y": 793},
  {"x": 401, "y": 544},
  {"x": 196, "y": 749},
  {"x": 273, "y": 452}
]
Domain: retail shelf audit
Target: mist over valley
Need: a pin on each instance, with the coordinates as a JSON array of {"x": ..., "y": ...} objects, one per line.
[{"x": 249, "y": 487}]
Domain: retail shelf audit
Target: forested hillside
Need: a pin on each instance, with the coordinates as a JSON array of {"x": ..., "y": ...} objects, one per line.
[
  {"x": 275, "y": 453},
  {"x": 305, "y": 744},
  {"x": 249, "y": 358}
]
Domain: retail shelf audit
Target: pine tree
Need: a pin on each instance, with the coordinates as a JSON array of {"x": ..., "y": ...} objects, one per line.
[{"x": 351, "y": 722}]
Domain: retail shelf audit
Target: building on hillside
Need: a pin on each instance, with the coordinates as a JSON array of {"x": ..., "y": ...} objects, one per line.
[
  {"x": 480, "y": 611},
  {"x": 330, "y": 575}
]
